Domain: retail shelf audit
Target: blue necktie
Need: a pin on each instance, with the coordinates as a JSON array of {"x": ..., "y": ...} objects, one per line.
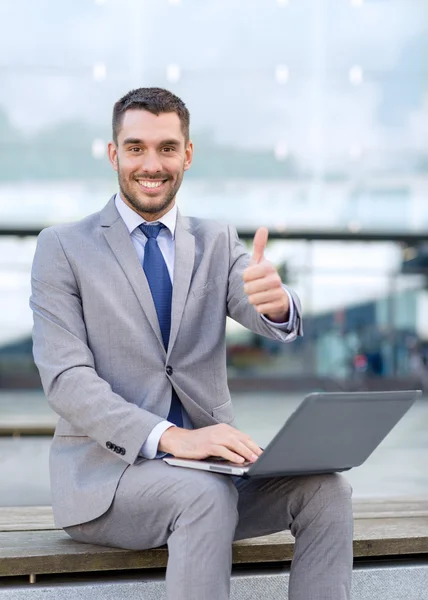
[{"x": 161, "y": 288}]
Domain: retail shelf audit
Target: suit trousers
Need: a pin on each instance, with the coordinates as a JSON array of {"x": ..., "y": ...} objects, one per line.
[{"x": 199, "y": 514}]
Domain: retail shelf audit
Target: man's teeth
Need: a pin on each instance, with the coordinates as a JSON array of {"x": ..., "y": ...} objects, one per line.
[{"x": 151, "y": 184}]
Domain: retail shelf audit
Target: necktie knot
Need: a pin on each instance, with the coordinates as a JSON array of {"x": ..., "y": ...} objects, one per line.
[{"x": 151, "y": 231}]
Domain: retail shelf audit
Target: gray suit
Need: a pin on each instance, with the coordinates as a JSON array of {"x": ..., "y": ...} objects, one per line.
[{"x": 105, "y": 371}]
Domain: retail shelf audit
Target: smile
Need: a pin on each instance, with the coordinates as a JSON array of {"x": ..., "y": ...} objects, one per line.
[{"x": 149, "y": 184}]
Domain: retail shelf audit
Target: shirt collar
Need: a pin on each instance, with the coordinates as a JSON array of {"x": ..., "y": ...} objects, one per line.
[{"x": 133, "y": 220}]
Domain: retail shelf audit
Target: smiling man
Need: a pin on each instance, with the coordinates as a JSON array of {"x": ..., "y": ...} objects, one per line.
[
  {"x": 150, "y": 162},
  {"x": 130, "y": 309}
]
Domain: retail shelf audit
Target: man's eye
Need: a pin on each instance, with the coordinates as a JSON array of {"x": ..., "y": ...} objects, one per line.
[
  {"x": 136, "y": 149},
  {"x": 168, "y": 149}
]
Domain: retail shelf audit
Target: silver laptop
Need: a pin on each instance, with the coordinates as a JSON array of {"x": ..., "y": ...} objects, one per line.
[{"x": 329, "y": 432}]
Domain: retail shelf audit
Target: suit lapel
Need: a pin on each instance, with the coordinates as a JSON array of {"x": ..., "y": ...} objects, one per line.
[
  {"x": 119, "y": 240},
  {"x": 183, "y": 269}
]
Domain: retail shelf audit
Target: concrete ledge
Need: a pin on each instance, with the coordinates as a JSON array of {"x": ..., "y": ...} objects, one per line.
[{"x": 386, "y": 582}]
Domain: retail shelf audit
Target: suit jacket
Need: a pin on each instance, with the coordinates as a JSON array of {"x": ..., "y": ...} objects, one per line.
[{"x": 99, "y": 350}]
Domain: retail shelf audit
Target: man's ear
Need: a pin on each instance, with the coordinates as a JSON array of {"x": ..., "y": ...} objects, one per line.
[
  {"x": 112, "y": 155},
  {"x": 188, "y": 156}
]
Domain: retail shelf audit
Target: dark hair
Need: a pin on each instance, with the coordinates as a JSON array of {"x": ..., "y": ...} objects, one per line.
[{"x": 156, "y": 101}]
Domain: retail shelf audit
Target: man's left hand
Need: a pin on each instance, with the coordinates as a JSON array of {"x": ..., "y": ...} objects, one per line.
[{"x": 263, "y": 285}]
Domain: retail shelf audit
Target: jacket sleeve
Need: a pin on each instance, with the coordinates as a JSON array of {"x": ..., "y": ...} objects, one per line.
[
  {"x": 66, "y": 363},
  {"x": 241, "y": 310}
]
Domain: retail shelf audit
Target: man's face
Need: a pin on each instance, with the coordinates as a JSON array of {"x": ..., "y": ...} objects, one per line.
[{"x": 150, "y": 157}]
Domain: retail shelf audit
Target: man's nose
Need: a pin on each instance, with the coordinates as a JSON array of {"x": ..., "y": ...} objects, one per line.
[{"x": 151, "y": 162}]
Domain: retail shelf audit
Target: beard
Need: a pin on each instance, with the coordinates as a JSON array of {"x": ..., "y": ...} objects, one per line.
[{"x": 158, "y": 205}]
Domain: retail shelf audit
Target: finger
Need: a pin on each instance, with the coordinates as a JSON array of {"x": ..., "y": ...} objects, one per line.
[
  {"x": 242, "y": 437},
  {"x": 269, "y": 308},
  {"x": 259, "y": 244},
  {"x": 267, "y": 297},
  {"x": 245, "y": 451},
  {"x": 227, "y": 454},
  {"x": 263, "y": 284},
  {"x": 258, "y": 271},
  {"x": 235, "y": 451},
  {"x": 243, "y": 446},
  {"x": 237, "y": 442},
  {"x": 253, "y": 446}
]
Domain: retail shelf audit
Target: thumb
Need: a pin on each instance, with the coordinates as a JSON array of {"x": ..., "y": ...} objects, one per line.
[{"x": 259, "y": 244}]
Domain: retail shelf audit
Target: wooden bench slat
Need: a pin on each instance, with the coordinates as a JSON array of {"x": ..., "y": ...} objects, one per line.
[
  {"x": 387, "y": 507},
  {"x": 390, "y": 536},
  {"x": 372, "y": 537},
  {"x": 26, "y": 518},
  {"x": 46, "y": 420},
  {"x": 30, "y": 543},
  {"x": 33, "y": 518},
  {"x": 29, "y": 423},
  {"x": 406, "y": 502},
  {"x": 47, "y": 552},
  {"x": 13, "y": 431}
]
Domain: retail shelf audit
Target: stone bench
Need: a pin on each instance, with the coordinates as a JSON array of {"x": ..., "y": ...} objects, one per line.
[{"x": 32, "y": 550}]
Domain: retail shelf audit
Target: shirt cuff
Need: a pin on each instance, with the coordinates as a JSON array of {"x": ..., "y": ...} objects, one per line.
[
  {"x": 287, "y": 325},
  {"x": 150, "y": 447}
]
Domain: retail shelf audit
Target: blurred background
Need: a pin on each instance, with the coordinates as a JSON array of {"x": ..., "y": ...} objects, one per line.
[{"x": 309, "y": 117}]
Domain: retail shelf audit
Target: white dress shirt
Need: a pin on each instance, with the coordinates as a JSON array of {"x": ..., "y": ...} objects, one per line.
[{"x": 166, "y": 242}]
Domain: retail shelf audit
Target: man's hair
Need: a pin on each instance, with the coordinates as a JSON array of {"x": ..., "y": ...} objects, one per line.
[{"x": 154, "y": 100}]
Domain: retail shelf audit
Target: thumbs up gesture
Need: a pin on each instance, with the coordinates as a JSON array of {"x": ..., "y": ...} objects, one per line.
[{"x": 263, "y": 285}]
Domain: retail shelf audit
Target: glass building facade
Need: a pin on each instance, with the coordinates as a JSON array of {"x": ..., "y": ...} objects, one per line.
[{"x": 308, "y": 116}]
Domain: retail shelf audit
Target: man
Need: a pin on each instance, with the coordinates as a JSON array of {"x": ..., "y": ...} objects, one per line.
[{"x": 130, "y": 307}]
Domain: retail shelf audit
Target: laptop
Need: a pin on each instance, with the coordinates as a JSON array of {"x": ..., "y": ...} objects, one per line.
[{"x": 329, "y": 432}]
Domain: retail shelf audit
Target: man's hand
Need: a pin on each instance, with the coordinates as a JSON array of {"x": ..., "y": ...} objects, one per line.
[
  {"x": 263, "y": 285},
  {"x": 216, "y": 440}
]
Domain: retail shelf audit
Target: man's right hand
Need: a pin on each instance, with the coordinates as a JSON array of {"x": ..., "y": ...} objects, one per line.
[{"x": 216, "y": 440}]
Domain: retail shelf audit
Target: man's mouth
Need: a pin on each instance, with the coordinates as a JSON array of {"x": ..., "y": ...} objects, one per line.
[{"x": 151, "y": 184}]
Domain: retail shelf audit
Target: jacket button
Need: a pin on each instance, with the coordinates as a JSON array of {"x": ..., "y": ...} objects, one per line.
[
  {"x": 169, "y": 370},
  {"x": 109, "y": 445},
  {"x": 123, "y": 451},
  {"x": 117, "y": 449}
]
